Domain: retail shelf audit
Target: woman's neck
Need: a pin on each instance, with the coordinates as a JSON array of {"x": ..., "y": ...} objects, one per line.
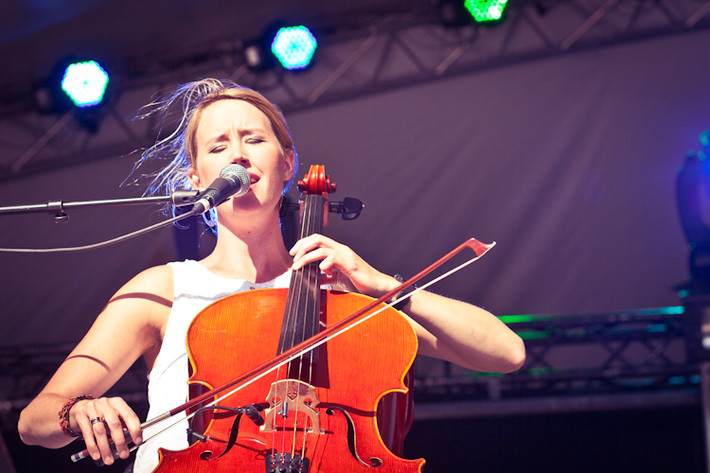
[{"x": 255, "y": 253}]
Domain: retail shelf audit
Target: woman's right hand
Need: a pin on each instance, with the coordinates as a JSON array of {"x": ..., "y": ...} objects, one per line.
[{"x": 101, "y": 422}]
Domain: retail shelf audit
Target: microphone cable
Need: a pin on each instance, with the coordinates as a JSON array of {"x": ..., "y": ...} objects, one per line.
[{"x": 105, "y": 243}]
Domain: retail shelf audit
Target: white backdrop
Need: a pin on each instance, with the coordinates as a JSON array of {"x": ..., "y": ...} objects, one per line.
[{"x": 568, "y": 163}]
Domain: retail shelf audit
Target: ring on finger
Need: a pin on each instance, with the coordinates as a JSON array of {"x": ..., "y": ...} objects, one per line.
[{"x": 96, "y": 420}]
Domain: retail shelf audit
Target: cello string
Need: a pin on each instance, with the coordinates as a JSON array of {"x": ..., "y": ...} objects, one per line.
[
  {"x": 286, "y": 341},
  {"x": 300, "y": 304},
  {"x": 317, "y": 224},
  {"x": 298, "y": 289},
  {"x": 308, "y": 228},
  {"x": 300, "y": 307},
  {"x": 311, "y": 222}
]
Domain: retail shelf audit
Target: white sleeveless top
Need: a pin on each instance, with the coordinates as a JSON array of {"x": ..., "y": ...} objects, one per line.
[{"x": 196, "y": 287}]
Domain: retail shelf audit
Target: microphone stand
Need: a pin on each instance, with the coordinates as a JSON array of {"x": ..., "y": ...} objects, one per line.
[
  {"x": 58, "y": 208},
  {"x": 348, "y": 209}
]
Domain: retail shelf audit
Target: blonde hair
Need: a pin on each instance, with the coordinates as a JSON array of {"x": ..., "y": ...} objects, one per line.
[{"x": 179, "y": 146}]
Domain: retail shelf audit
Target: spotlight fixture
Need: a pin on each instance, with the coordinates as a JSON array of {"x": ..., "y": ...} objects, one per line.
[
  {"x": 693, "y": 198},
  {"x": 255, "y": 56},
  {"x": 294, "y": 47},
  {"x": 81, "y": 85},
  {"x": 77, "y": 86},
  {"x": 85, "y": 83},
  {"x": 486, "y": 11}
]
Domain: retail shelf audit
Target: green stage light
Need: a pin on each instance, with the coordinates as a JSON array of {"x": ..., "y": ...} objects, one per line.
[
  {"x": 294, "y": 47},
  {"x": 486, "y": 11},
  {"x": 85, "y": 83}
]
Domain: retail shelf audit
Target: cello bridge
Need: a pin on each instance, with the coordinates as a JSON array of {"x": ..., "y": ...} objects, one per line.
[{"x": 289, "y": 396}]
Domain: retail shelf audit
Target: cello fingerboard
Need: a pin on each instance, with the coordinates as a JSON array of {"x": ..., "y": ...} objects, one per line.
[{"x": 302, "y": 314}]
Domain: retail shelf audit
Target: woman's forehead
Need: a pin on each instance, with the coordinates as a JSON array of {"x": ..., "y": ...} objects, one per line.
[{"x": 226, "y": 114}]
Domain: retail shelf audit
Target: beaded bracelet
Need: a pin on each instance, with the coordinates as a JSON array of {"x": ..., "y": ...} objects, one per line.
[{"x": 64, "y": 414}]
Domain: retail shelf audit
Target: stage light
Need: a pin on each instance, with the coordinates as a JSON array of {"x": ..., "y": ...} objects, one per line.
[
  {"x": 75, "y": 85},
  {"x": 294, "y": 47},
  {"x": 85, "y": 83},
  {"x": 254, "y": 56},
  {"x": 486, "y": 11},
  {"x": 693, "y": 198}
]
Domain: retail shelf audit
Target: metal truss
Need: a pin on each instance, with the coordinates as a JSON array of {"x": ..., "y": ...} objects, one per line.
[
  {"x": 576, "y": 363},
  {"x": 361, "y": 53}
]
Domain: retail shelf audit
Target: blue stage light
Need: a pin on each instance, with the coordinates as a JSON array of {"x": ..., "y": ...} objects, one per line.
[
  {"x": 85, "y": 83},
  {"x": 294, "y": 47}
]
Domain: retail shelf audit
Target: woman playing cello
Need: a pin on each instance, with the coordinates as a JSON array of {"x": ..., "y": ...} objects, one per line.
[{"x": 226, "y": 124}]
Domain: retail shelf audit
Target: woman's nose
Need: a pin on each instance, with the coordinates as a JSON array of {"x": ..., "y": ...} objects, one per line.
[{"x": 240, "y": 159}]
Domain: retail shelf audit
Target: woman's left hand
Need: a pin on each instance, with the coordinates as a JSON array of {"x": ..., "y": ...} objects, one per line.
[{"x": 343, "y": 268}]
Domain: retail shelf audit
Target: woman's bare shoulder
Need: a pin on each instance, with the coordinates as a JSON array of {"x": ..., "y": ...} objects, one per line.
[
  {"x": 158, "y": 279},
  {"x": 147, "y": 297}
]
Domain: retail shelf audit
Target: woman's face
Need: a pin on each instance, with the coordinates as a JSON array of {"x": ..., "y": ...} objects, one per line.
[{"x": 232, "y": 131}]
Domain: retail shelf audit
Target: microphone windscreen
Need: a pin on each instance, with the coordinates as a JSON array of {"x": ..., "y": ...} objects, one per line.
[{"x": 238, "y": 175}]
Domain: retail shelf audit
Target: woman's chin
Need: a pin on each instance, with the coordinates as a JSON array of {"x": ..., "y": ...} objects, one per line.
[{"x": 248, "y": 204}]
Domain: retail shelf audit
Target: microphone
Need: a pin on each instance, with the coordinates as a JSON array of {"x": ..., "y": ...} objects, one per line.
[
  {"x": 252, "y": 412},
  {"x": 234, "y": 181}
]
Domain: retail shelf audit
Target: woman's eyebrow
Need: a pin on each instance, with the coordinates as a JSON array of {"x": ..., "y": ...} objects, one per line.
[{"x": 224, "y": 135}]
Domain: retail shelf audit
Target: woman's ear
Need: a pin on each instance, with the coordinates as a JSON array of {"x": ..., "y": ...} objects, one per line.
[
  {"x": 289, "y": 158},
  {"x": 193, "y": 178}
]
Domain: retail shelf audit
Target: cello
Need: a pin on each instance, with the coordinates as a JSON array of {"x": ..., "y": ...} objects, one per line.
[{"x": 318, "y": 411}]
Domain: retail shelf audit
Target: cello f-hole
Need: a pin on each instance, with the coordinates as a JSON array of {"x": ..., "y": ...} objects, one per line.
[{"x": 352, "y": 438}]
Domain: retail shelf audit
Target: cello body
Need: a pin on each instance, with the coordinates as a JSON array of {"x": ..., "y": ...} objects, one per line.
[
  {"x": 316, "y": 412},
  {"x": 332, "y": 402}
]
